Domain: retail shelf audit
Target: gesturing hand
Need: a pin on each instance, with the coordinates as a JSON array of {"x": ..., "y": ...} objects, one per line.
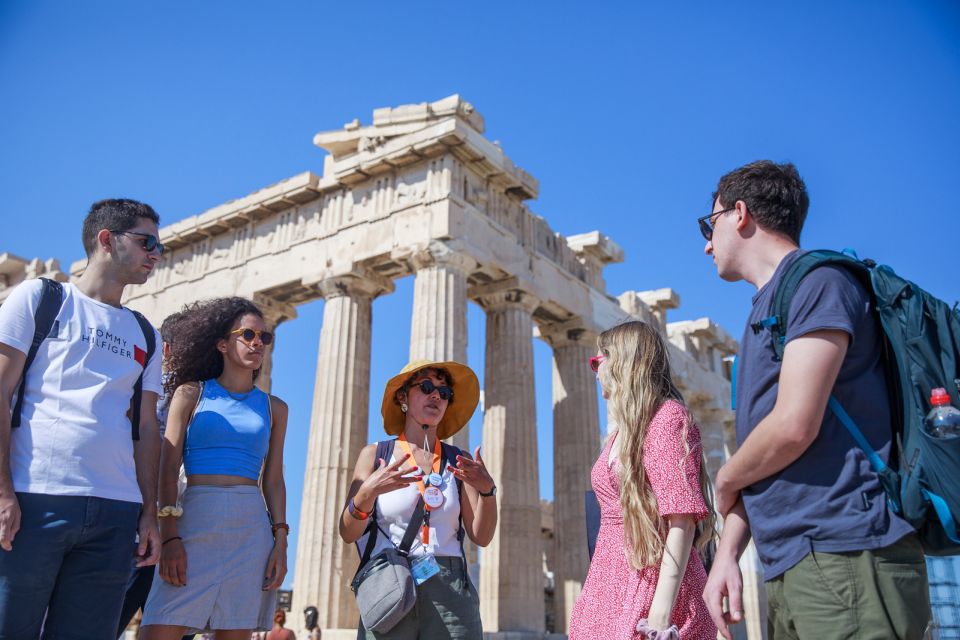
[
  {"x": 387, "y": 478},
  {"x": 473, "y": 472}
]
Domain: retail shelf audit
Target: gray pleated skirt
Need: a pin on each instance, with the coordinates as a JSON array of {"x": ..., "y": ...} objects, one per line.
[{"x": 227, "y": 538}]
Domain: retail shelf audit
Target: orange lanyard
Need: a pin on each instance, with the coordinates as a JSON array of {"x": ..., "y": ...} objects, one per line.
[{"x": 402, "y": 439}]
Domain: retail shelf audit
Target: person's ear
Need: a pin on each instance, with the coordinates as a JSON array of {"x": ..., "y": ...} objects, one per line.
[
  {"x": 105, "y": 240},
  {"x": 744, "y": 217},
  {"x": 222, "y": 345}
]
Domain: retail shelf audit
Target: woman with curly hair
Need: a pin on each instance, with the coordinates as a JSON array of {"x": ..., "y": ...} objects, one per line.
[
  {"x": 646, "y": 579},
  {"x": 223, "y": 555}
]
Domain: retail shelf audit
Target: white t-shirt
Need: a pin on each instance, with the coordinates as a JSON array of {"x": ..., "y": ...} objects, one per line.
[{"x": 74, "y": 437}]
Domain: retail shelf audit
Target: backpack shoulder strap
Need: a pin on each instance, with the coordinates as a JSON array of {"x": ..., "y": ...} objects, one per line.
[
  {"x": 137, "y": 399},
  {"x": 449, "y": 453},
  {"x": 779, "y": 317},
  {"x": 51, "y": 299}
]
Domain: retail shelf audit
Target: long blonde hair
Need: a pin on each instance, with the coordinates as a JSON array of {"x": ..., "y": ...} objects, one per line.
[{"x": 637, "y": 377}]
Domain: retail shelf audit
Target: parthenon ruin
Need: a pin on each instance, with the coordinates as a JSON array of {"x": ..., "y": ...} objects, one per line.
[{"x": 420, "y": 191}]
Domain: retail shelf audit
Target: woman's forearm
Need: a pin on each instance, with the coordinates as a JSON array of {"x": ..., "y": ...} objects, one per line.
[
  {"x": 673, "y": 564},
  {"x": 167, "y": 496},
  {"x": 484, "y": 520},
  {"x": 275, "y": 496}
]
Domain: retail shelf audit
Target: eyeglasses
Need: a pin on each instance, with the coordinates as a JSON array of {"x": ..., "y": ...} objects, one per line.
[
  {"x": 248, "y": 335},
  {"x": 595, "y": 363},
  {"x": 149, "y": 241},
  {"x": 427, "y": 387},
  {"x": 706, "y": 226}
]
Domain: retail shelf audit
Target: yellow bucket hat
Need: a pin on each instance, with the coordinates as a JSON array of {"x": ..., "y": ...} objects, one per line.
[{"x": 466, "y": 397}]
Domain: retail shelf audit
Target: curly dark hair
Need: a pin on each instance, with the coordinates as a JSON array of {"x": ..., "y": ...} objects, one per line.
[{"x": 194, "y": 355}]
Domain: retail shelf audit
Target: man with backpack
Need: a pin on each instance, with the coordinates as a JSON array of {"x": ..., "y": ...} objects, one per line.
[
  {"x": 837, "y": 561},
  {"x": 79, "y": 445}
]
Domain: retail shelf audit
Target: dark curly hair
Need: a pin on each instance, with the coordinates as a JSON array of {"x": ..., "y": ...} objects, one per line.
[{"x": 194, "y": 355}]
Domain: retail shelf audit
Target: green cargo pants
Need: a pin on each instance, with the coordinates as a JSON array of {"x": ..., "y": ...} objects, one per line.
[{"x": 879, "y": 594}]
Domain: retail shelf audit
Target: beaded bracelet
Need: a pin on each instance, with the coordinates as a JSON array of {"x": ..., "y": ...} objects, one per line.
[
  {"x": 170, "y": 510},
  {"x": 280, "y": 525}
]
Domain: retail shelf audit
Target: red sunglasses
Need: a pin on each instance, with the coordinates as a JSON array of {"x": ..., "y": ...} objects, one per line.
[{"x": 595, "y": 363}]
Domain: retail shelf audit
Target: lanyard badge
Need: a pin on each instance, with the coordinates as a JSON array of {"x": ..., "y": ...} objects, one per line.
[{"x": 431, "y": 490}]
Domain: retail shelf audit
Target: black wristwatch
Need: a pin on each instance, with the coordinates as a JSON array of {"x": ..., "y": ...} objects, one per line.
[{"x": 492, "y": 492}]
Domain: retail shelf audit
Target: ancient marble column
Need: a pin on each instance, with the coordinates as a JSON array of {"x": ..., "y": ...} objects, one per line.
[
  {"x": 511, "y": 574},
  {"x": 338, "y": 431},
  {"x": 274, "y": 313},
  {"x": 438, "y": 330},
  {"x": 576, "y": 445}
]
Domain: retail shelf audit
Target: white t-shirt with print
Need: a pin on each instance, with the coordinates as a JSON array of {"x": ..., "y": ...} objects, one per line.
[{"x": 74, "y": 437}]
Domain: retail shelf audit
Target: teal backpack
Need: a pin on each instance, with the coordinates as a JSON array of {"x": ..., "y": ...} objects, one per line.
[{"x": 921, "y": 352}]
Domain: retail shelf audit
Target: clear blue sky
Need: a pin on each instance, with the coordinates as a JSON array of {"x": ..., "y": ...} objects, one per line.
[{"x": 627, "y": 114}]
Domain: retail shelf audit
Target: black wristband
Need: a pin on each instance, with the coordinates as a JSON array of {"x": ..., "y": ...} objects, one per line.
[{"x": 171, "y": 540}]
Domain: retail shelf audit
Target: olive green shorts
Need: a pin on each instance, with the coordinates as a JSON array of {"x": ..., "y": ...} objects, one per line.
[
  {"x": 447, "y": 607},
  {"x": 879, "y": 594}
]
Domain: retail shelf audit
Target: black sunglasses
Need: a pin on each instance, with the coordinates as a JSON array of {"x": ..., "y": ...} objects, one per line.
[
  {"x": 706, "y": 227},
  {"x": 247, "y": 335},
  {"x": 149, "y": 241},
  {"x": 427, "y": 387}
]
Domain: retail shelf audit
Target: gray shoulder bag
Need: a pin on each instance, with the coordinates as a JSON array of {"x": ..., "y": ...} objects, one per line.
[{"x": 384, "y": 586}]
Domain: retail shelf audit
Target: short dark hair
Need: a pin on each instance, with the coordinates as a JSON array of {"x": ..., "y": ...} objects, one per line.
[
  {"x": 115, "y": 214},
  {"x": 774, "y": 193}
]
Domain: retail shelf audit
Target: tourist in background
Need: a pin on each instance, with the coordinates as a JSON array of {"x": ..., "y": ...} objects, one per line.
[
  {"x": 646, "y": 577},
  {"x": 310, "y": 615},
  {"x": 425, "y": 403},
  {"x": 78, "y": 480},
  {"x": 279, "y": 632},
  {"x": 219, "y": 565}
]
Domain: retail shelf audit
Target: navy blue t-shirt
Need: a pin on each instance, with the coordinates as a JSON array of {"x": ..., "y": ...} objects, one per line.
[{"x": 829, "y": 499}]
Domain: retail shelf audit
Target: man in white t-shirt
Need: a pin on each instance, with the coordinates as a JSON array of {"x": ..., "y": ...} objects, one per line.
[{"x": 77, "y": 491}]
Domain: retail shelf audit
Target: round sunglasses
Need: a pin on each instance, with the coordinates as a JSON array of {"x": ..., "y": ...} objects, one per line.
[
  {"x": 427, "y": 387},
  {"x": 248, "y": 335}
]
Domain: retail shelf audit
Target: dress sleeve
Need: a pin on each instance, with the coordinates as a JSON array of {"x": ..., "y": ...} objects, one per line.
[{"x": 673, "y": 473}]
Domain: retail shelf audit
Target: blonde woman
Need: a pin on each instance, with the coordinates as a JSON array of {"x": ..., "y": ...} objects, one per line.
[{"x": 646, "y": 579}]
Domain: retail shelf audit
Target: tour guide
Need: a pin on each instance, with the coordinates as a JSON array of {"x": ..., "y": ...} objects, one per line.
[{"x": 424, "y": 403}]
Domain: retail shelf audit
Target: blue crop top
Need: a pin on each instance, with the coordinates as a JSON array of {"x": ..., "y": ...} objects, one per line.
[{"x": 229, "y": 433}]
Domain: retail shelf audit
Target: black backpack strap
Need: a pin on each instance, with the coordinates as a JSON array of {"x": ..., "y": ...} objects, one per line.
[
  {"x": 137, "y": 399},
  {"x": 51, "y": 299},
  {"x": 779, "y": 317},
  {"x": 448, "y": 455},
  {"x": 384, "y": 452}
]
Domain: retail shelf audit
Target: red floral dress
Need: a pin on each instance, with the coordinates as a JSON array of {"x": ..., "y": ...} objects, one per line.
[{"x": 615, "y": 596}]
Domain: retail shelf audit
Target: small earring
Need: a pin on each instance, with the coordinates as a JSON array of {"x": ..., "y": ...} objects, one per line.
[{"x": 404, "y": 407}]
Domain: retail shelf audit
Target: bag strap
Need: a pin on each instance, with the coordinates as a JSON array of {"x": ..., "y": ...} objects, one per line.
[
  {"x": 448, "y": 455},
  {"x": 779, "y": 316},
  {"x": 137, "y": 399},
  {"x": 412, "y": 527},
  {"x": 51, "y": 299}
]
